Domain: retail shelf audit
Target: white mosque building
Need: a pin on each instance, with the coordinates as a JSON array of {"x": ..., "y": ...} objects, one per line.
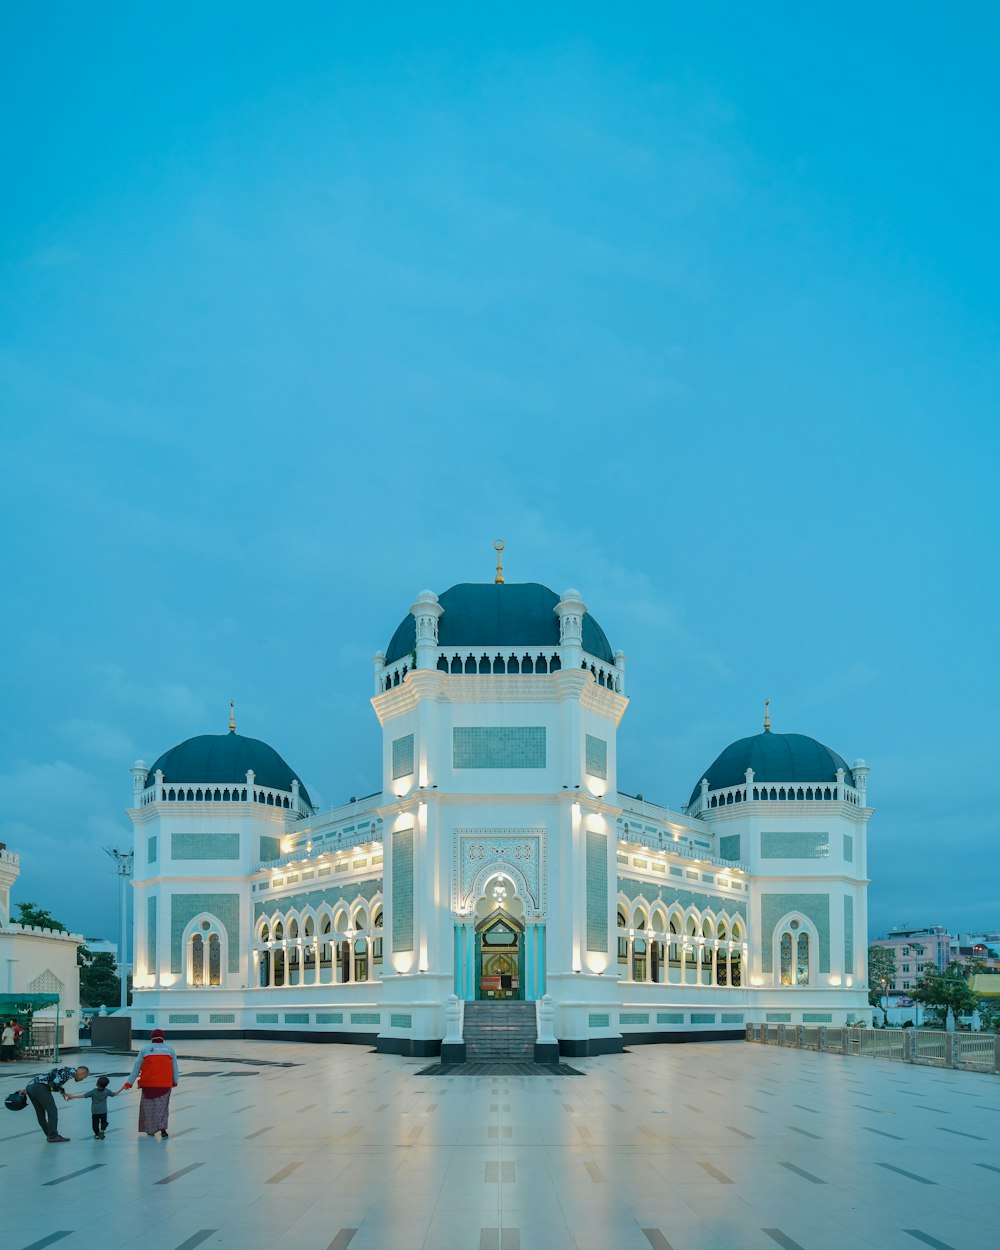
[{"x": 498, "y": 862}]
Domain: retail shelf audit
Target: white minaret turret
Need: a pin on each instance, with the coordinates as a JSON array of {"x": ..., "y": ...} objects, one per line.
[
  {"x": 860, "y": 770},
  {"x": 140, "y": 771},
  {"x": 426, "y": 613},
  {"x": 570, "y": 610}
]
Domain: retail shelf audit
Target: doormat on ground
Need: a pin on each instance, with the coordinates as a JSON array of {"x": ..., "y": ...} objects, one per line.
[{"x": 499, "y": 1069}]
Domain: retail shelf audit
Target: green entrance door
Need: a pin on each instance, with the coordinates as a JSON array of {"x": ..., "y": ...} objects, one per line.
[{"x": 499, "y": 957}]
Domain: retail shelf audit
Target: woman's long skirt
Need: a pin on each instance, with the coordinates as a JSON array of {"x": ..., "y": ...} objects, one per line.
[{"x": 154, "y": 1107}]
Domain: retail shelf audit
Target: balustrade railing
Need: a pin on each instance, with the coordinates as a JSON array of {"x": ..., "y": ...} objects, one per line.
[
  {"x": 520, "y": 660},
  {"x": 975, "y": 1051}
]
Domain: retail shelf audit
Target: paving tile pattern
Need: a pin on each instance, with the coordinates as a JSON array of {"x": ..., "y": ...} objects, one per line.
[{"x": 662, "y": 1148}]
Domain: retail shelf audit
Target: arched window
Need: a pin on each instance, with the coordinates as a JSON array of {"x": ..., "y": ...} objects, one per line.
[
  {"x": 622, "y": 938},
  {"x": 361, "y": 959},
  {"x": 377, "y": 944},
  {"x": 205, "y": 955},
  {"x": 794, "y": 953}
]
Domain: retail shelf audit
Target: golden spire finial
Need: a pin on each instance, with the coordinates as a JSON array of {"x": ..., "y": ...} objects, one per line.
[
  {"x": 232, "y": 717},
  {"x": 767, "y": 716},
  {"x": 498, "y": 546}
]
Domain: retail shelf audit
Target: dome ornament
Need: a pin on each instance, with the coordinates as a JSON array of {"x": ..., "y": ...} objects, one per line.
[
  {"x": 232, "y": 717},
  {"x": 498, "y": 547},
  {"x": 767, "y": 716}
]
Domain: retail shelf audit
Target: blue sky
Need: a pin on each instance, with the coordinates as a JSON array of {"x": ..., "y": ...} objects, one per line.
[{"x": 696, "y": 308}]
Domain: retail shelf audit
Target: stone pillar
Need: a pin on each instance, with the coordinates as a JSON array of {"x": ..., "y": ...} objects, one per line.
[
  {"x": 426, "y": 612},
  {"x": 139, "y": 774},
  {"x": 570, "y": 610},
  {"x": 378, "y": 663},
  {"x": 860, "y": 770},
  {"x": 620, "y": 666}
]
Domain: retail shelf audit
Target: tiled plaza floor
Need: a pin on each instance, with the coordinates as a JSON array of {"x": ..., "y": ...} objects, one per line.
[{"x": 686, "y": 1147}]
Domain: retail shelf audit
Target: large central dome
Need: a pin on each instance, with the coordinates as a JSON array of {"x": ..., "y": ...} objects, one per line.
[{"x": 499, "y": 614}]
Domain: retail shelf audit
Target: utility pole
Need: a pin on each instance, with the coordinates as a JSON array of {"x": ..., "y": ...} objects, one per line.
[{"x": 123, "y": 867}]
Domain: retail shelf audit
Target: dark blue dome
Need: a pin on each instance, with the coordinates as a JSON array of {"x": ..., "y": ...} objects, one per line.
[
  {"x": 491, "y": 614},
  {"x": 224, "y": 758},
  {"x": 774, "y": 757}
]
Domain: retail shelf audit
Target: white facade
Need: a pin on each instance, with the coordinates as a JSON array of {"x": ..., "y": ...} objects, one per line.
[{"x": 497, "y": 858}]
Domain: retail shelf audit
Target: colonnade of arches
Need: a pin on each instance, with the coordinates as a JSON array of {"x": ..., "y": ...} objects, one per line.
[
  {"x": 329, "y": 946},
  {"x": 663, "y": 945}
]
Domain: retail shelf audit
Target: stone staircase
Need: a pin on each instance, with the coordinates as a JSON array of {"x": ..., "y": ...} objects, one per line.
[{"x": 503, "y": 1032}]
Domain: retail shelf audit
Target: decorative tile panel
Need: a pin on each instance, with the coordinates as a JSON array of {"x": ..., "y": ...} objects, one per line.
[
  {"x": 296, "y": 1017},
  {"x": 729, "y": 847},
  {"x": 498, "y": 746},
  {"x": 329, "y": 1017},
  {"x": 634, "y": 1017},
  {"x": 183, "y": 1018},
  {"x": 597, "y": 757},
  {"x": 732, "y": 1017},
  {"x": 848, "y": 848},
  {"x": 788, "y": 845},
  {"x": 316, "y": 898},
  {"x": 670, "y": 1017},
  {"x": 599, "y": 1020},
  {"x": 152, "y": 954},
  {"x": 270, "y": 848},
  {"x": 365, "y": 1017},
  {"x": 597, "y": 891},
  {"x": 221, "y": 1017},
  {"x": 400, "y": 1020},
  {"x": 702, "y": 1017},
  {"x": 817, "y": 1017},
  {"x": 151, "y": 850},
  {"x": 519, "y": 853},
  {"x": 849, "y": 933},
  {"x": 402, "y": 890},
  {"x": 669, "y": 894},
  {"x": 267, "y": 1017},
  {"x": 224, "y": 907},
  {"x": 402, "y": 757},
  {"x": 204, "y": 846},
  {"x": 816, "y": 907},
  {"x": 778, "y": 1017}
]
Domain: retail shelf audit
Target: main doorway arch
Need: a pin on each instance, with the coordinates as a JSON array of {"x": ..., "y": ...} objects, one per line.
[{"x": 499, "y": 956}]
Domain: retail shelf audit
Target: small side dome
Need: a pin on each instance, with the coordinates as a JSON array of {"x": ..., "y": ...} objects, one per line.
[
  {"x": 221, "y": 759},
  {"x": 499, "y": 614},
  {"x": 774, "y": 757}
]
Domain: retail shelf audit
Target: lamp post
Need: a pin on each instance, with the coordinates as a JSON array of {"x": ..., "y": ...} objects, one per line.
[{"x": 123, "y": 868}]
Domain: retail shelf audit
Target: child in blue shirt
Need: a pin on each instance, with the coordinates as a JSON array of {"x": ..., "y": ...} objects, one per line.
[{"x": 99, "y": 1105}]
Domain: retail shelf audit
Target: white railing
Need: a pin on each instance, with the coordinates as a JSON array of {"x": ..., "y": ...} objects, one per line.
[
  {"x": 8, "y": 857},
  {"x": 523, "y": 659},
  {"x": 218, "y": 792},
  {"x": 663, "y": 845},
  {"x": 775, "y": 791},
  {"x": 976, "y": 1051}
]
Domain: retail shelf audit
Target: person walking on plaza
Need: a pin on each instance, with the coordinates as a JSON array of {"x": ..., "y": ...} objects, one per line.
[
  {"x": 39, "y": 1091},
  {"x": 156, "y": 1069},
  {"x": 98, "y": 1096},
  {"x": 7, "y": 1042}
]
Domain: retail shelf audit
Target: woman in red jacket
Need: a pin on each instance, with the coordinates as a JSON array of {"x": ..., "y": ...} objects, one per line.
[{"x": 156, "y": 1068}]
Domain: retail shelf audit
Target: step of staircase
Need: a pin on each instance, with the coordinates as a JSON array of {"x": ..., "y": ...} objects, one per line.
[{"x": 498, "y": 1032}]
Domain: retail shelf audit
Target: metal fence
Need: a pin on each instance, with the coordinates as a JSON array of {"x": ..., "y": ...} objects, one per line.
[{"x": 979, "y": 1052}]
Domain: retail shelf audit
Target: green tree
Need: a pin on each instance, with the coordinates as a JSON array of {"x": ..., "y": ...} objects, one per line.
[
  {"x": 947, "y": 991},
  {"x": 32, "y": 914},
  {"x": 100, "y": 984},
  {"x": 881, "y": 975}
]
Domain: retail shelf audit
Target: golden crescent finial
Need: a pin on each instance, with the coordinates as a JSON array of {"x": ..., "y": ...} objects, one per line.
[
  {"x": 498, "y": 546},
  {"x": 232, "y": 717},
  {"x": 767, "y": 716}
]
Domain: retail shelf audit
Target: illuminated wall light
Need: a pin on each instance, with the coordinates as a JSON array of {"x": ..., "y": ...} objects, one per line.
[{"x": 835, "y": 980}]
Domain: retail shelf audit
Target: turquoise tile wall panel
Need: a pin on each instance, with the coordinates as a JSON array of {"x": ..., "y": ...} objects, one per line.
[
  {"x": 675, "y": 872},
  {"x": 634, "y": 1017},
  {"x": 670, "y": 1017},
  {"x": 296, "y": 1017},
  {"x": 204, "y": 846},
  {"x": 267, "y": 1017},
  {"x": 597, "y": 757},
  {"x": 815, "y": 906},
  {"x": 778, "y": 1017},
  {"x": 316, "y": 898},
  {"x": 702, "y": 1017},
  {"x": 329, "y": 1017},
  {"x": 151, "y": 952},
  {"x": 221, "y": 1017},
  {"x": 402, "y": 757},
  {"x": 151, "y": 1019},
  {"x": 400, "y": 1020},
  {"x": 365, "y": 1017},
  {"x": 785, "y": 844},
  {"x": 498, "y": 746},
  {"x": 652, "y": 890},
  {"x": 599, "y": 1020},
  {"x": 849, "y": 933},
  {"x": 151, "y": 850},
  {"x": 224, "y": 907},
  {"x": 402, "y": 890},
  {"x": 729, "y": 847},
  {"x": 817, "y": 1017},
  {"x": 597, "y": 891},
  {"x": 182, "y": 1017},
  {"x": 848, "y": 848},
  {"x": 732, "y": 1017},
  {"x": 270, "y": 848}
]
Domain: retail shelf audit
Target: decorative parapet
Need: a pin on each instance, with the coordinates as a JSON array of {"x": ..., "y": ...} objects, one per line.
[
  {"x": 31, "y": 930},
  {"x": 525, "y": 660},
  {"x": 751, "y": 791},
  {"x": 8, "y": 857},
  {"x": 248, "y": 791}
]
